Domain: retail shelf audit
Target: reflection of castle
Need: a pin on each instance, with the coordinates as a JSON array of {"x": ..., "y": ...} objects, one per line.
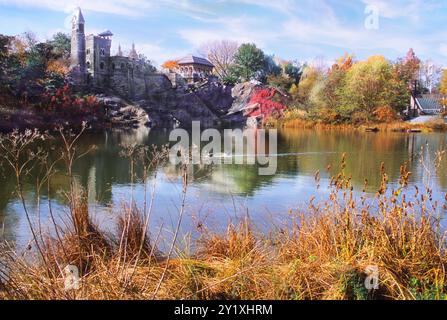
[{"x": 92, "y": 63}]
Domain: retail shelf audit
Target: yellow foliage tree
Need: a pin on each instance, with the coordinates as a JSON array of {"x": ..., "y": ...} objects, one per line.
[
  {"x": 443, "y": 84},
  {"x": 59, "y": 66}
]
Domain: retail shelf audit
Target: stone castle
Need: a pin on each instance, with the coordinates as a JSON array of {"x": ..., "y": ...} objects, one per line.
[{"x": 93, "y": 65}]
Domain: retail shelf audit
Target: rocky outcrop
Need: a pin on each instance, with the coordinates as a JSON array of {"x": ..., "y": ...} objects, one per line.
[
  {"x": 179, "y": 106},
  {"x": 122, "y": 114},
  {"x": 211, "y": 103}
]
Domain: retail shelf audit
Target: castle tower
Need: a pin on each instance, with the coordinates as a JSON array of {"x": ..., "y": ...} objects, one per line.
[
  {"x": 120, "y": 52},
  {"x": 78, "y": 42}
]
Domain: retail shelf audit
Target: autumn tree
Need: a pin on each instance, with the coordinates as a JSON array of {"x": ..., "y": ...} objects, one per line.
[
  {"x": 443, "y": 82},
  {"x": 59, "y": 61},
  {"x": 221, "y": 55},
  {"x": 408, "y": 69},
  {"x": 170, "y": 65},
  {"x": 301, "y": 92},
  {"x": 369, "y": 85}
]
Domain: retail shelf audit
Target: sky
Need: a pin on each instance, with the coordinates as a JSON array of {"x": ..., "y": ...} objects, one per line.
[{"x": 302, "y": 30}]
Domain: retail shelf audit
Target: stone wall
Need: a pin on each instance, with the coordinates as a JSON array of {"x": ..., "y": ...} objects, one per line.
[{"x": 130, "y": 80}]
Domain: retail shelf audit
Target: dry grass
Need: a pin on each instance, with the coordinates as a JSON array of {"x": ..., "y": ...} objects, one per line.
[
  {"x": 293, "y": 120},
  {"x": 323, "y": 255}
]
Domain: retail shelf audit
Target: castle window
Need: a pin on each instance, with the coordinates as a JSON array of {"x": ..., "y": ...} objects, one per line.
[
  {"x": 102, "y": 52},
  {"x": 88, "y": 64},
  {"x": 122, "y": 65},
  {"x": 88, "y": 51},
  {"x": 101, "y": 65},
  {"x": 113, "y": 66}
]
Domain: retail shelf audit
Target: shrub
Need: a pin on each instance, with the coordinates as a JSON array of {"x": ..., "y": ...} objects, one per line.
[{"x": 385, "y": 114}]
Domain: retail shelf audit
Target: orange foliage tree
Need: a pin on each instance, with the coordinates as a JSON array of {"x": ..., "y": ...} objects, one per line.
[
  {"x": 59, "y": 66},
  {"x": 170, "y": 65}
]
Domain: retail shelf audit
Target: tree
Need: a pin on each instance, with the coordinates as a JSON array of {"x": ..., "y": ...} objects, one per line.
[
  {"x": 221, "y": 55},
  {"x": 408, "y": 69},
  {"x": 302, "y": 92},
  {"x": 61, "y": 45},
  {"x": 372, "y": 84},
  {"x": 293, "y": 70},
  {"x": 170, "y": 65},
  {"x": 443, "y": 82},
  {"x": 5, "y": 42},
  {"x": 430, "y": 75},
  {"x": 249, "y": 62}
]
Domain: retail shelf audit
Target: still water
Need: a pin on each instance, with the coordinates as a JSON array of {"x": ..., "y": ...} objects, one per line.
[{"x": 219, "y": 194}]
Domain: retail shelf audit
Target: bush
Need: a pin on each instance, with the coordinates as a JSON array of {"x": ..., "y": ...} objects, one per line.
[
  {"x": 62, "y": 100},
  {"x": 385, "y": 114}
]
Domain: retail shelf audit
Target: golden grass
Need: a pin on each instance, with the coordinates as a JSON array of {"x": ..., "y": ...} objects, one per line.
[
  {"x": 296, "y": 119},
  {"x": 323, "y": 254}
]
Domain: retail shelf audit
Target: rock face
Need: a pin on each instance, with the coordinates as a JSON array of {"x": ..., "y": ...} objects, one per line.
[
  {"x": 179, "y": 106},
  {"x": 121, "y": 114},
  {"x": 241, "y": 93},
  {"x": 212, "y": 103}
]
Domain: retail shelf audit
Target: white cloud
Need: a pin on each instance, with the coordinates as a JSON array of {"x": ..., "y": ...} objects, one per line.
[
  {"x": 412, "y": 9},
  {"x": 443, "y": 49},
  {"x": 119, "y": 7},
  {"x": 340, "y": 36},
  {"x": 154, "y": 52},
  {"x": 240, "y": 29}
]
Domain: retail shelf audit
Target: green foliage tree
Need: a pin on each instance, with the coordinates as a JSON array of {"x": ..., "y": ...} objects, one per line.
[
  {"x": 249, "y": 62},
  {"x": 293, "y": 71},
  {"x": 61, "y": 45}
]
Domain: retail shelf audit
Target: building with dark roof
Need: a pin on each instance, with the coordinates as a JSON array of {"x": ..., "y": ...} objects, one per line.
[
  {"x": 426, "y": 104},
  {"x": 194, "y": 68}
]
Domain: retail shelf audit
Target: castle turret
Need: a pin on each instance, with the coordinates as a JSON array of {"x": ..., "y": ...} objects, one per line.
[
  {"x": 133, "y": 53},
  {"x": 78, "y": 42}
]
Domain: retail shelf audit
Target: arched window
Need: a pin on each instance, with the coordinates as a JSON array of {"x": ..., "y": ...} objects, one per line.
[
  {"x": 113, "y": 66},
  {"x": 102, "y": 52},
  {"x": 101, "y": 65},
  {"x": 122, "y": 66}
]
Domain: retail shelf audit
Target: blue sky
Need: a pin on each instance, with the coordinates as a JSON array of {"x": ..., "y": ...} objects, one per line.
[{"x": 291, "y": 29}]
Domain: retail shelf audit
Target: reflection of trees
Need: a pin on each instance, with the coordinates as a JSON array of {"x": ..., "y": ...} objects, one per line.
[
  {"x": 230, "y": 178},
  {"x": 301, "y": 152},
  {"x": 364, "y": 153}
]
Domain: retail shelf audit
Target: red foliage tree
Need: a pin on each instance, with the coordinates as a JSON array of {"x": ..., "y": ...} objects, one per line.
[
  {"x": 62, "y": 100},
  {"x": 262, "y": 105}
]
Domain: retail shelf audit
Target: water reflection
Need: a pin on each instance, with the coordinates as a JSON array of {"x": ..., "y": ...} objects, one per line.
[{"x": 217, "y": 193}]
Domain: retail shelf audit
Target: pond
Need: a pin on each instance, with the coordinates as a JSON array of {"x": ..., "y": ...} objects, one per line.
[{"x": 219, "y": 194}]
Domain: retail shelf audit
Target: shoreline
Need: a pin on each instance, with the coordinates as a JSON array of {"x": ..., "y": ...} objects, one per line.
[{"x": 397, "y": 126}]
